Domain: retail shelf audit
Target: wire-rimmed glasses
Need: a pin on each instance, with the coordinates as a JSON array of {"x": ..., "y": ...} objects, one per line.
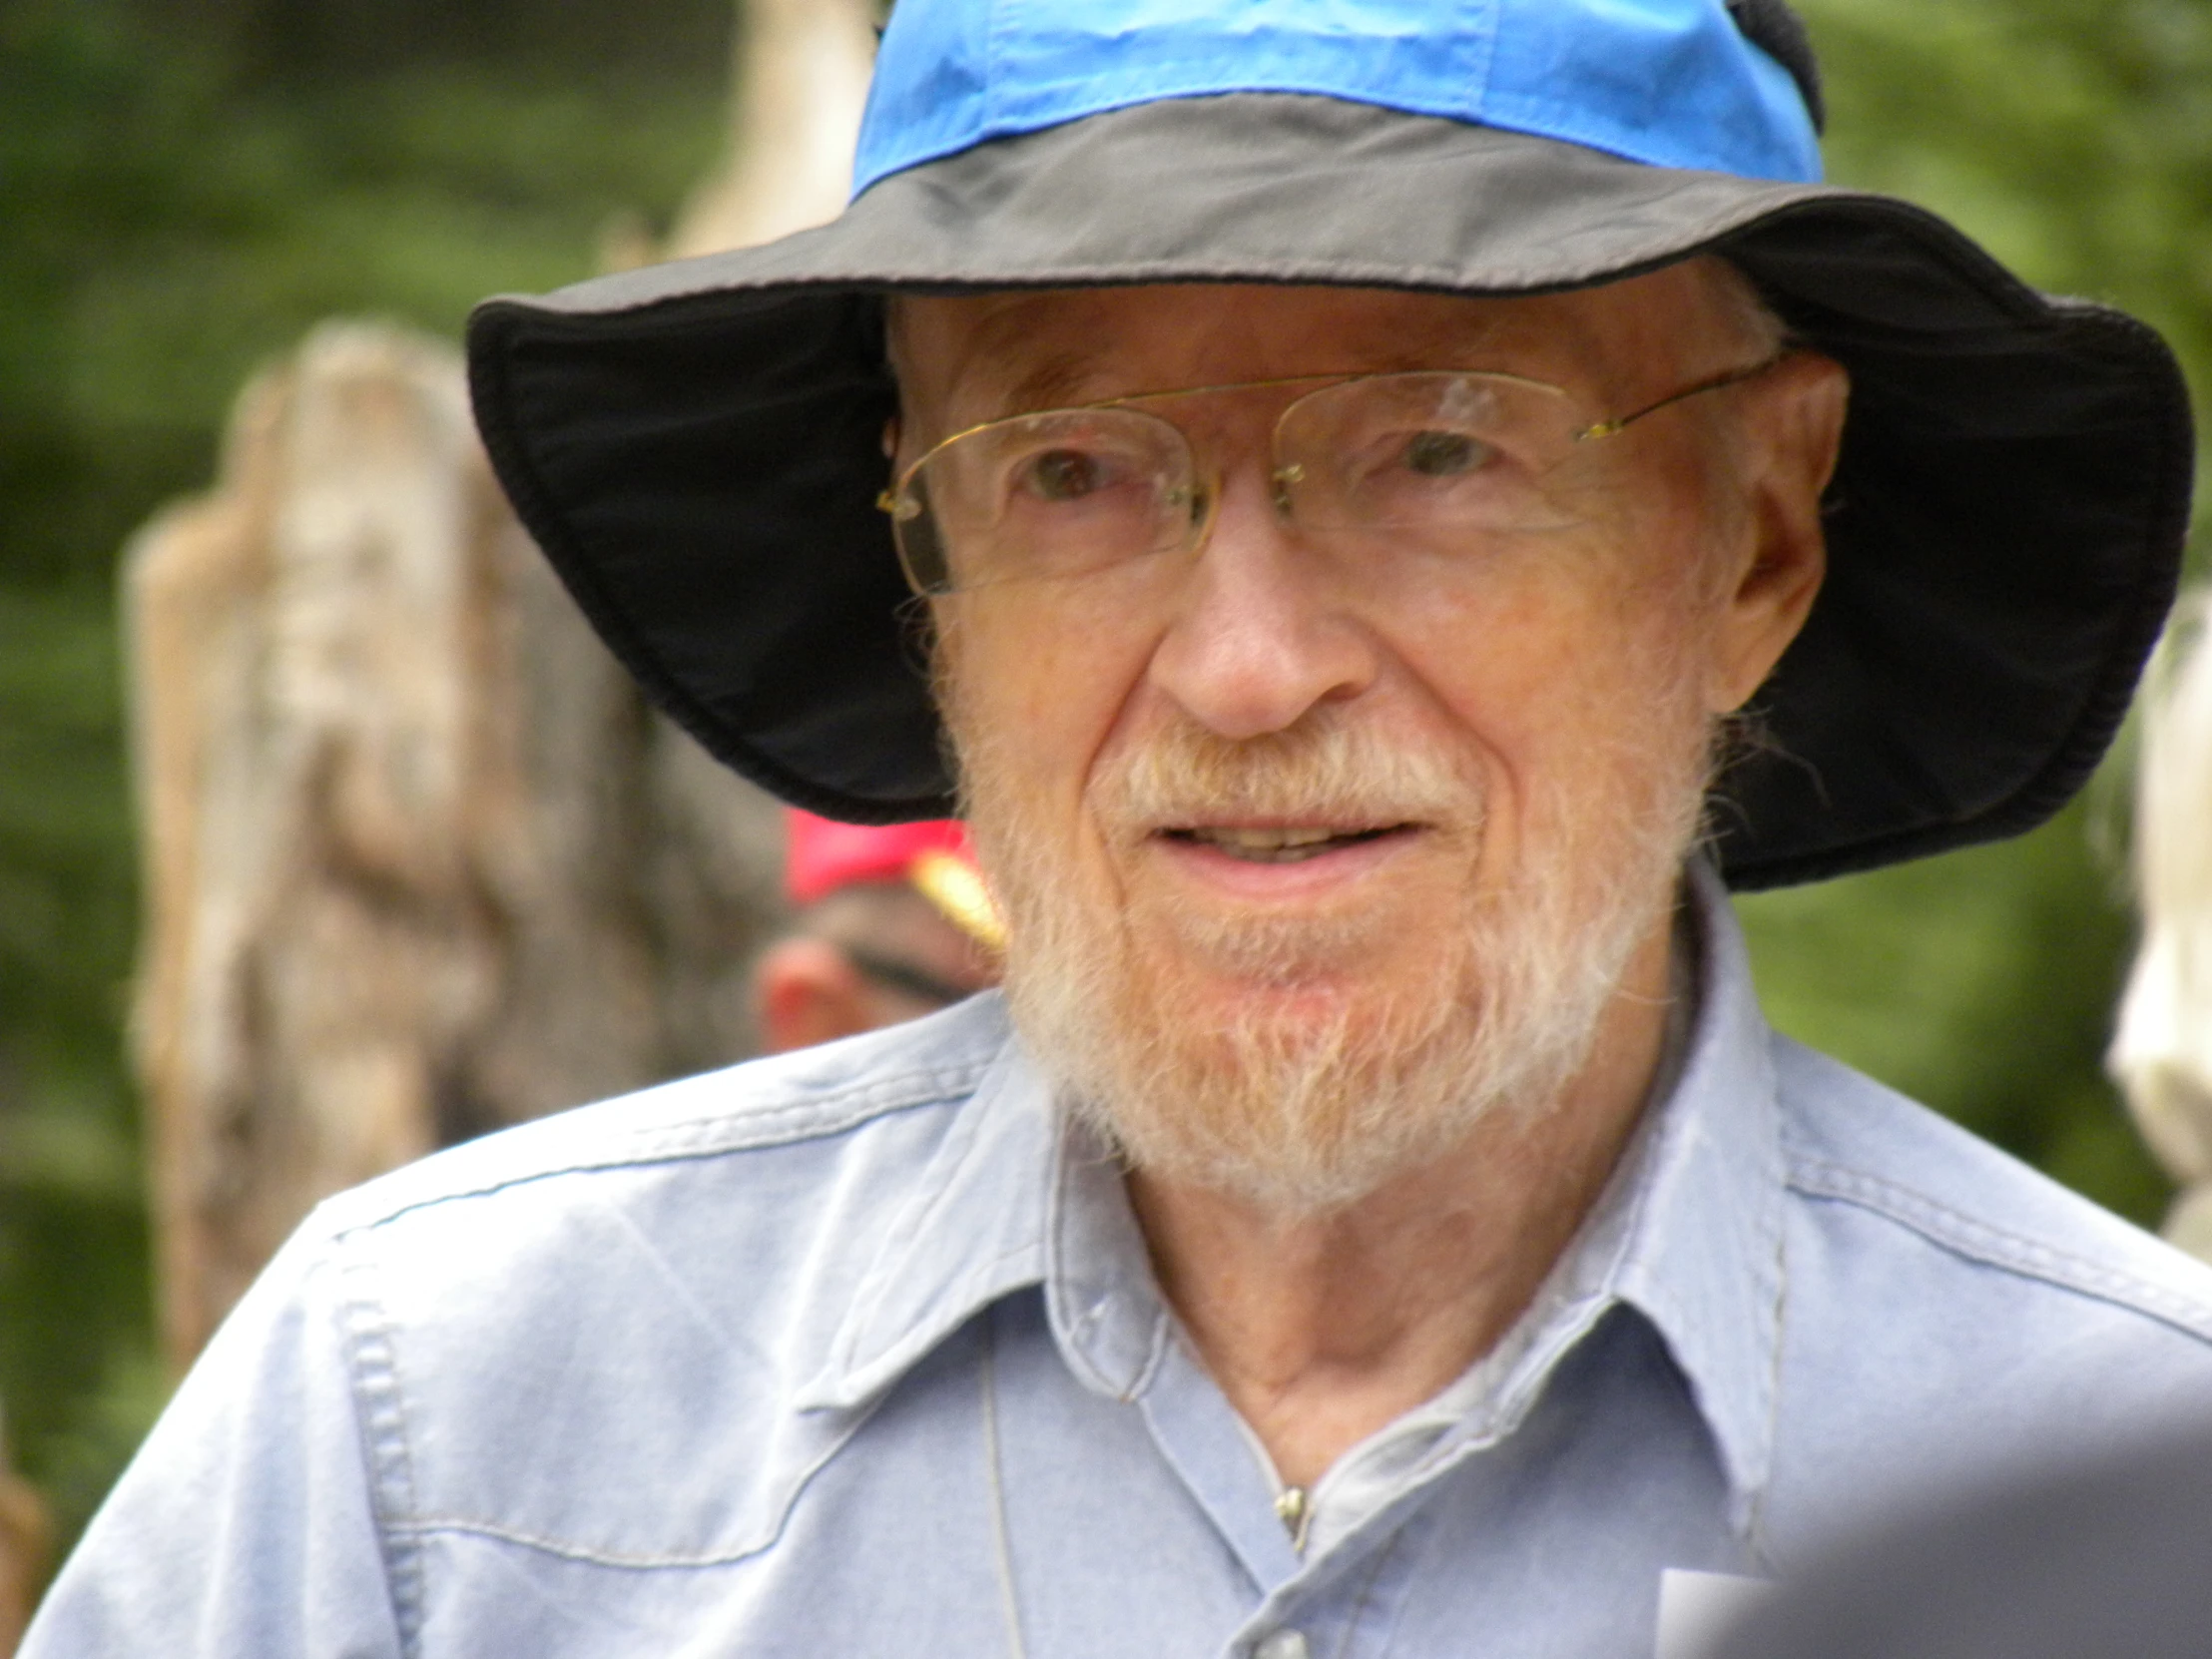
[{"x": 1437, "y": 456}]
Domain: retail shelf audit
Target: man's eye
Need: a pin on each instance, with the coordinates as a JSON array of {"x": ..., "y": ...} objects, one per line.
[
  {"x": 1063, "y": 475},
  {"x": 1444, "y": 454}
]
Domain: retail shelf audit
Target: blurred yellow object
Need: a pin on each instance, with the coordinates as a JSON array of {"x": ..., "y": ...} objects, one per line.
[{"x": 956, "y": 888}]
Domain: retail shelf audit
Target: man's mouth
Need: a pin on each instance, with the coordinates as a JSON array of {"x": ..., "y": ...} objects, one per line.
[{"x": 1286, "y": 845}]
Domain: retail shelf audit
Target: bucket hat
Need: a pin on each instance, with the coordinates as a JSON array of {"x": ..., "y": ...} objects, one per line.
[{"x": 696, "y": 446}]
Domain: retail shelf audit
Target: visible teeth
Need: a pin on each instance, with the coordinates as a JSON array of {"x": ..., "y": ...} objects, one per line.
[
  {"x": 1275, "y": 846},
  {"x": 1264, "y": 841}
]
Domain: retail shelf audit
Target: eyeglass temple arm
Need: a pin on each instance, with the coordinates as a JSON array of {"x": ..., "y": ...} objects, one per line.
[{"x": 1731, "y": 377}]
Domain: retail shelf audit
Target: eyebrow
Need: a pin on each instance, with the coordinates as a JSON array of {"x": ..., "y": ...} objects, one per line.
[
  {"x": 1058, "y": 381},
  {"x": 1068, "y": 378}
]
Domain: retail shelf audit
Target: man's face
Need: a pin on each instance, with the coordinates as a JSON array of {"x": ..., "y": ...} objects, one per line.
[{"x": 1316, "y": 849}]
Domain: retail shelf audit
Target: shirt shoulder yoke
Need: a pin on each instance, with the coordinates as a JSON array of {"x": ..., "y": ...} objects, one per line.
[
  {"x": 813, "y": 1094},
  {"x": 1849, "y": 1140}
]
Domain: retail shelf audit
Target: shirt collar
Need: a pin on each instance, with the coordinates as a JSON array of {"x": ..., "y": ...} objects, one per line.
[
  {"x": 1701, "y": 1208},
  {"x": 1689, "y": 1231},
  {"x": 1018, "y": 1194},
  {"x": 972, "y": 1230}
]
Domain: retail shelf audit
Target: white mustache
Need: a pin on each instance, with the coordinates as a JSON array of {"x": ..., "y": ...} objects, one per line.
[{"x": 1326, "y": 769}]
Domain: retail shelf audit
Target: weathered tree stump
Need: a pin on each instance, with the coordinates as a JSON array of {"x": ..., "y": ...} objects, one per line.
[
  {"x": 418, "y": 860},
  {"x": 419, "y": 863}
]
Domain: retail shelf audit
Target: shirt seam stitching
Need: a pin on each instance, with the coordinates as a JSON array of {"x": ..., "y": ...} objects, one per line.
[
  {"x": 1981, "y": 1241},
  {"x": 1754, "y": 1532},
  {"x": 426, "y": 1525},
  {"x": 711, "y": 1139},
  {"x": 380, "y": 1422}
]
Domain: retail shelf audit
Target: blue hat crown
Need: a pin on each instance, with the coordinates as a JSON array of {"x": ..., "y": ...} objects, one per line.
[{"x": 1670, "y": 83}]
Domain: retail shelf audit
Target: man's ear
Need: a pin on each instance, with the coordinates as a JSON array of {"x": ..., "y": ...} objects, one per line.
[
  {"x": 1792, "y": 430},
  {"x": 805, "y": 992}
]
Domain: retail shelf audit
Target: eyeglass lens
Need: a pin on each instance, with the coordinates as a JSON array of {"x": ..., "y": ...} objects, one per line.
[{"x": 1437, "y": 457}]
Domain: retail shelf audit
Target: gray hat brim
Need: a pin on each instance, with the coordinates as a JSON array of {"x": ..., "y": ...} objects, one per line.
[{"x": 697, "y": 447}]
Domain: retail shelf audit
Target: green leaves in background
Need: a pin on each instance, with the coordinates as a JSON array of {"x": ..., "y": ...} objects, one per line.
[{"x": 2073, "y": 138}]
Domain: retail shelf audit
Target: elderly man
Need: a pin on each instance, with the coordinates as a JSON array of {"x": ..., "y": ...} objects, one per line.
[{"x": 1380, "y": 523}]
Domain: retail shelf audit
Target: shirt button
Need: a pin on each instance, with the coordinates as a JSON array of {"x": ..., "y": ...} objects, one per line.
[{"x": 1283, "y": 1644}]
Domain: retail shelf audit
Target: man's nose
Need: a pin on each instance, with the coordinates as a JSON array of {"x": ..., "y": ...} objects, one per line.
[{"x": 1261, "y": 631}]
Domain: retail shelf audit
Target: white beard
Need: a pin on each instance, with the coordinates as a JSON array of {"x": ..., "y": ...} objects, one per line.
[{"x": 1374, "y": 1072}]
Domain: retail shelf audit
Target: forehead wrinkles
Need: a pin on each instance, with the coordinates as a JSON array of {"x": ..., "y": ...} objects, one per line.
[
  {"x": 1013, "y": 353},
  {"x": 964, "y": 361},
  {"x": 977, "y": 359}
]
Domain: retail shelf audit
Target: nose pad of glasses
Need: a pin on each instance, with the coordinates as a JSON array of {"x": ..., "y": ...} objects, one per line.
[{"x": 1283, "y": 479}]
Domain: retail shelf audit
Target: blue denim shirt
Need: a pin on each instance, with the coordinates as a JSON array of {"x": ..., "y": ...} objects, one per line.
[{"x": 857, "y": 1353}]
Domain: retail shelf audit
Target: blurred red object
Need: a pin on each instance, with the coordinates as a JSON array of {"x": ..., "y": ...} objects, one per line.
[{"x": 821, "y": 855}]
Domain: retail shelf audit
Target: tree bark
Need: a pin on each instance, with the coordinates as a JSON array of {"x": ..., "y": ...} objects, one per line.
[
  {"x": 418, "y": 860},
  {"x": 419, "y": 863}
]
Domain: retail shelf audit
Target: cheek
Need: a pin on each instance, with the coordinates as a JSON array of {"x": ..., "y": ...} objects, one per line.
[
  {"x": 1551, "y": 660},
  {"x": 1041, "y": 673}
]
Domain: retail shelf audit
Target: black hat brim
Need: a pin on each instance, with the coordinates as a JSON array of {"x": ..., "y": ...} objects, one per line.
[{"x": 697, "y": 447}]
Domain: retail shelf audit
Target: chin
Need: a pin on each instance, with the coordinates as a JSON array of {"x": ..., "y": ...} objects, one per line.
[
  {"x": 1300, "y": 1071},
  {"x": 1304, "y": 1105},
  {"x": 1318, "y": 959},
  {"x": 1299, "y": 1060}
]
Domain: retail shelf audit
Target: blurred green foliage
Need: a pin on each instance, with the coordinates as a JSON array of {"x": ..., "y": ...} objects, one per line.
[
  {"x": 186, "y": 185},
  {"x": 2073, "y": 138}
]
